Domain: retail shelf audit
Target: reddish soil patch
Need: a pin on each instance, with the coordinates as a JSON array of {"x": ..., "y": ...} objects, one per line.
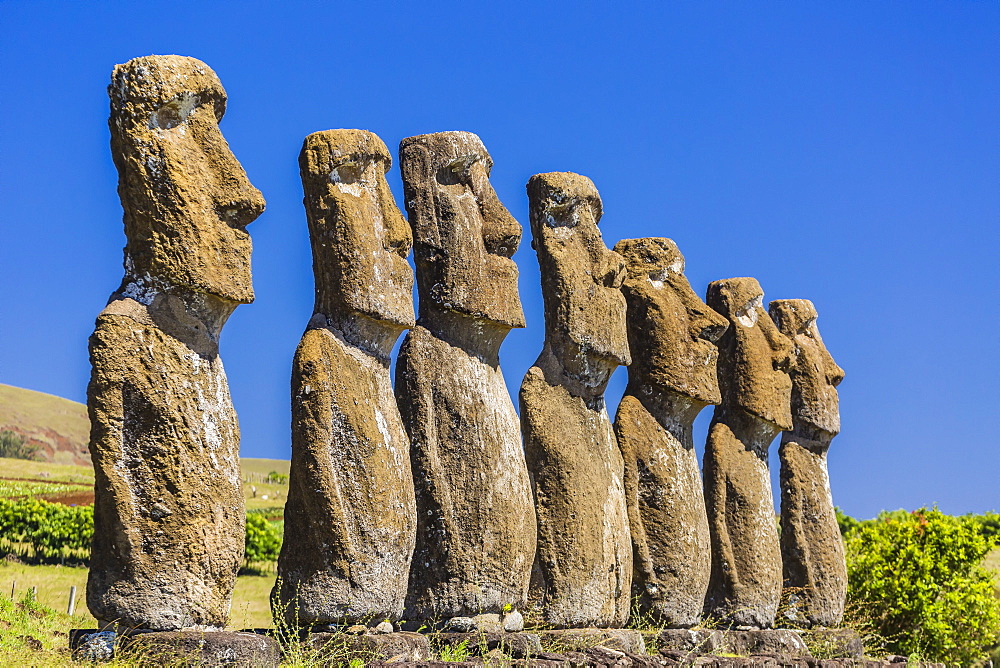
[{"x": 82, "y": 498}]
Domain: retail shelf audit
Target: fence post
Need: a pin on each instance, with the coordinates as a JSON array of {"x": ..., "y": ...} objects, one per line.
[
  {"x": 34, "y": 594},
  {"x": 72, "y": 600},
  {"x": 13, "y": 587}
]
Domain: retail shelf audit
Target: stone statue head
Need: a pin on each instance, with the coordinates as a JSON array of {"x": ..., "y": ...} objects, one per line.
[
  {"x": 581, "y": 277},
  {"x": 463, "y": 236},
  {"x": 187, "y": 200},
  {"x": 814, "y": 374},
  {"x": 754, "y": 357},
  {"x": 671, "y": 332},
  {"x": 360, "y": 240}
]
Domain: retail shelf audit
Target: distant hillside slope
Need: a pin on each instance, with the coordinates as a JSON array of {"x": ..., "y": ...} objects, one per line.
[{"x": 59, "y": 427}]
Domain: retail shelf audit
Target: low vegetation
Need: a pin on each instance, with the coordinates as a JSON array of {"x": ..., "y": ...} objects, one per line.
[
  {"x": 921, "y": 584},
  {"x": 44, "y": 532},
  {"x": 41, "y": 532},
  {"x": 32, "y": 634},
  {"x": 263, "y": 542},
  {"x": 919, "y": 578},
  {"x": 12, "y": 445}
]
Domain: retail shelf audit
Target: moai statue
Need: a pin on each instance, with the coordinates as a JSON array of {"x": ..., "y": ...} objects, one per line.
[
  {"x": 350, "y": 519},
  {"x": 812, "y": 551},
  {"x": 745, "y": 587},
  {"x": 169, "y": 514},
  {"x": 671, "y": 335},
  {"x": 475, "y": 519},
  {"x": 584, "y": 550}
]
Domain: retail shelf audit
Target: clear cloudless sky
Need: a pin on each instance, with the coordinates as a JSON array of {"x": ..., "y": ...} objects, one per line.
[{"x": 844, "y": 152}]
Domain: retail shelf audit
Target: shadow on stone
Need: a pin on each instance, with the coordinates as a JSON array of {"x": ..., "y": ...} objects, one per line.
[
  {"x": 340, "y": 648},
  {"x": 582, "y": 640},
  {"x": 217, "y": 648}
]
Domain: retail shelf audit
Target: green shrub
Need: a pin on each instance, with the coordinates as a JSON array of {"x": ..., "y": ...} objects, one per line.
[
  {"x": 989, "y": 524},
  {"x": 46, "y": 532},
  {"x": 12, "y": 445},
  {"x": 277, "y": 478},
  {"x": 919, "y": 576},
  {"x": 43, "y": 532},
  {"x": 263, "y": 540}
]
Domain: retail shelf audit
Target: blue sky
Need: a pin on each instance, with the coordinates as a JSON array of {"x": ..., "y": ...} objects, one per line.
[{"x": 844, "y": 152}]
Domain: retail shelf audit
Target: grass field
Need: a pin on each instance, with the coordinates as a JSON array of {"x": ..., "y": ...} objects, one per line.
[
  {"x": 250, "y": 600},
  {"x": 268, "y": 495},
  {"x": 20, "y": 477},
  {"x": 29, "y": 470},
  {"x": 35, "y": 633},
  {"x": 264, "y": 466},
  {"x": 15, "y": 488}
]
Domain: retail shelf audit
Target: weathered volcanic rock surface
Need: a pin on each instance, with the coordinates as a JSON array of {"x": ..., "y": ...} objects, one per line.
[
  {"x": 350, "y": 517},
  {"x": 169, "y": 514},
  {"x": 398, "y": 648},
  {"x": 745, "y": 587},
  {"x": 812, "y": 549},
  {"x": 211, "y": 649},
  {"x": 475, "y": 517},
  {"x": 672, "y": 335},
  {"x": 584, "y": 551}
]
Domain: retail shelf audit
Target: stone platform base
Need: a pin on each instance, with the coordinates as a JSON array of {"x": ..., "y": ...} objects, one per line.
[
  {"x": 159, "y": 648},
  {"x": 697, "y": 642},
  {"x": 581, "y": 640},
  {"x": 571, "y": 648},
  {"x": 395, "y": 648}
]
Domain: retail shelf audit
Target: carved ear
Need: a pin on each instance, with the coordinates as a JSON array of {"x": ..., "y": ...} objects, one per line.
[{"x": 417, "y": 169}]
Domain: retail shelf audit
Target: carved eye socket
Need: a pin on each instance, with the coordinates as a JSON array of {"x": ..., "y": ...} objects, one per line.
[
  {"x": 455, "y": 172},
  {"x": 747, "y": 315},
  {"x": 347, "y": 172},
  {"x": 561, "y": 214},
  {"x": 174, "y": 112},
  {"x": 504, "y": 245}
]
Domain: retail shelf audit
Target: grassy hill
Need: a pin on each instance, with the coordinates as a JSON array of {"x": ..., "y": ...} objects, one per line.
[
  {"x": 58, "y": 427},
  {"x": 74, "y": 484}
]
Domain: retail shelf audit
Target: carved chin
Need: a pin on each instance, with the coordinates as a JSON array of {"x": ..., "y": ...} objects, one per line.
[
  {"x": 705, "y": 387},
  {"x": 238, "y": 291}
]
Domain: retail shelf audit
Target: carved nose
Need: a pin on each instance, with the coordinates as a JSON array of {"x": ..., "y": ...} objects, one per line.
[
  {"x": 708, "y": 328},
  {"x": 501, "y": 231},
  {"x": 782, "y": 356},
  {"x": 705, "y": 323},
  {"x": 241, "y": 212}
]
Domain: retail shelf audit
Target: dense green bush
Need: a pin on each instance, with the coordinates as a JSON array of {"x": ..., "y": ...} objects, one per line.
[
  {"x": 46, "y": 532},
  {"x": 989, "y": 524},
  {"x": 12, "y": 445},
  {"x": 263, "y": 540},
  {"x": 920, "y": 578},
  {"x": 40, "y": 531},
  {"x": 277, "y": 478}
]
